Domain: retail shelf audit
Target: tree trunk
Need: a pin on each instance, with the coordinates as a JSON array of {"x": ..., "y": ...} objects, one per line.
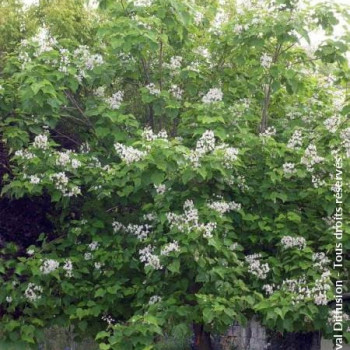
[{"x": 202, "y": 338}]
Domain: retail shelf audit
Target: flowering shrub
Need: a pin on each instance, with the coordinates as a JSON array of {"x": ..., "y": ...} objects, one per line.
[{"x": 190, "y": 158}]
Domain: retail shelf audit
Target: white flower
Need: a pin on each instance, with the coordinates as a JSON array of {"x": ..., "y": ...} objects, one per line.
[
  {"x": 143, "y": 3},
  {"x": 64, "y": 61},
  {"x": 150, "y": 259},
  {"x": 311, "y": 158},
  {"x": 24, "y": 154},
  {"x": 97, "y": 265},
  {"x": 289, "y": 168},
  {"x": 140, "y": 231},
  {"x": 268, "y": 288},
  {"x": 270, "y": 131},
  {"x": 117, "y": 226},
  {"x": 63, "y": 158},
  {"x": 44, "y": 41},
  {"x": 345, "y": 137},
  {"x": 41, "y": 141},
  {"x": 152, "y": 89},
  {"x": 87, "y": 256},
  {"x": 175, "y": 64},
  {"x": 223, "y": 207},
  {"x": 317, "y": 182},
  {"x": 213, "y": 95},
  {"x": 76, "y": 163},
  {"x": 34, "y": 179},
  {"x": 230, "y": 155},
  {"x": 176, "y": 91},
  {"x": 266, "y": 61},
  {"x": 160, "y": 189},
  {"x": 48, "y": 266},
  {"x": 296, "y": 141},
  {"x": 170, "y": 247},
  {"x": 100, "y": 91},
  {"x": 198, "y": 17},
  {"x": 68, "y": 267},
  {"x": 93, "y": 245},
  {"x": 9, "y": 299},
  {"x": 33, "y": 292},
  {"x": 154, "y": 299},
  {"x": 108, "y": 318},
  {"x": 129, "y": 154},
  {"x": 115, "y": 100},
  {"x": 61, "y": 181},
  {"x": 293, "y": 242},
  {"x": 332, "y": 123},
  {"x": 30, "y": 251},
  {"x": 149, "y": 135},
  {"x": 255, "y": 267}
]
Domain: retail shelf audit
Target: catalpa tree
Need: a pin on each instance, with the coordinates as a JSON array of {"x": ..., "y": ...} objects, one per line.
[{"x": 188, "y": 153}]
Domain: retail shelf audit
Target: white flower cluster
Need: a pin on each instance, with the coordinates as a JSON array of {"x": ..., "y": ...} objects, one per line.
[
  {"x": 337, "y": 315},
  {"x": 68, "y": 267},
  {"x": 48, "y": 266},
  {"x": 220, "y": 18},
  {"x": 266, "y": 61},
  {"x": 296, "y": 141},
  {"x": 223, "y": 207},
  {"x": 320, "y": 261},
  {"x": 8, "y": 299},
  {"x": 152, "y": 89},
  {"x": 114, "y": 102},
  {"x": 189, "y": 221},
  {"x": 150, "y": 259},
  {"x": 322, "y": 286},
  {"x": 34, "y": 179},
  {"x": 154, "y": 299},
  {"x": 230, "y": 155},
  {"x": 108, "y": 318},
  {"x": 140, "y": 231},
  {"x": 143, "y": 3},
  {"x": 41, "y": 141},
  {"x": 213, "y": 95},
  {"x": 33, "y": 292},
  {"x": 302, "y": 291},
  {"x": 129, "y": 154},
  {"x": 149, "y": 135},
  {"x": 170, "y": 247},
  {"x": 64, "y": 158},
  {"x": 317, "y": 182},
  {"x": 44, "y": 41},
  {"x": 89, "y": 60},
  {"x": 25, "y": 154},
  {"x": 149, "y": 217},
  {"x": 64, "y": 61},
  {"x": 176, "y": 92},
  {"x": 61, "y": 183},
  {"x": 332, "y": 123},
  {"x": 289, "y": 168},
  {"x": 175, "y": 64},
  {"x": 204, "y": 145},
  {"x": 255, "y": 267},
  {"x": 345, "y": 136},
  {"x": 268, "y": 288},
  {"x": 160, "y": 189},
  {"x": 93, "y": 245},
  {"x": 198, "y": 17},
  {"x": 293, "y": 242},
  {"x": 270, "y": 131},
  {"x": 311, "y": 158}
]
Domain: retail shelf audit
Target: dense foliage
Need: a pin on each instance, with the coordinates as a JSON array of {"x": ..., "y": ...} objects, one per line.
[{"x": 187, "y": 153}]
